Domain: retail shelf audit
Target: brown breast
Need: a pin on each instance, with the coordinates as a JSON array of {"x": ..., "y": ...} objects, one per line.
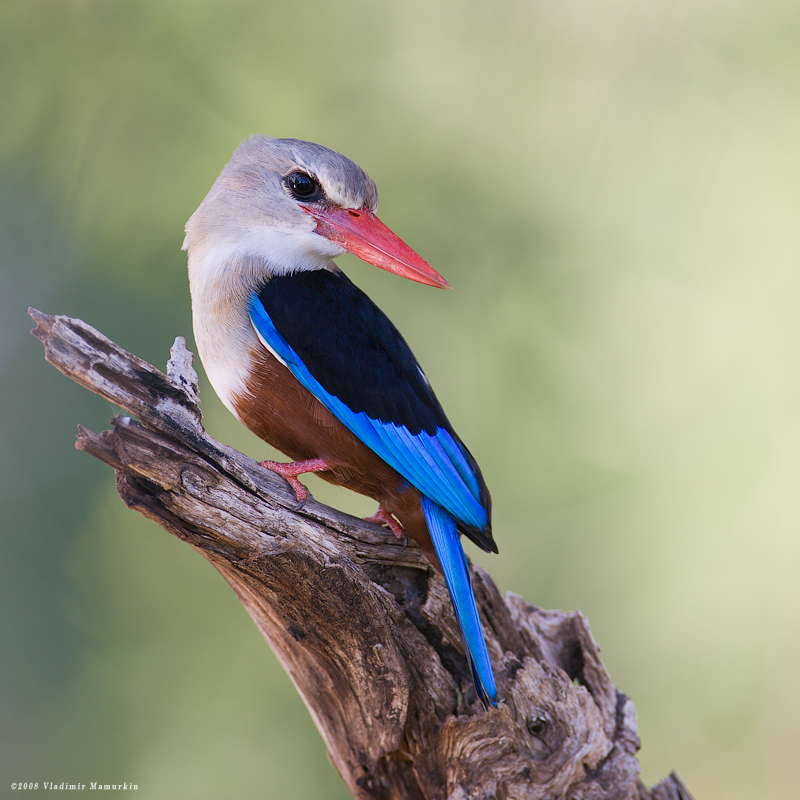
[{"x": 282, "y": 412}]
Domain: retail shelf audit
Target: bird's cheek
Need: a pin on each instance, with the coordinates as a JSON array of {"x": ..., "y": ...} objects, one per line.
[
  {"x": 327, "y": 248},
  {"x": 296, "y": 251}
]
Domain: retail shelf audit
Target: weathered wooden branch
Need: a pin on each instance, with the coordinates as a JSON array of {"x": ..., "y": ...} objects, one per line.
[{"x": 363, "y": 627}]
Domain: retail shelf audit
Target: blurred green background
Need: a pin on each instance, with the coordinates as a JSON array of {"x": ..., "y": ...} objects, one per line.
[{"x": 613, "y": 190}]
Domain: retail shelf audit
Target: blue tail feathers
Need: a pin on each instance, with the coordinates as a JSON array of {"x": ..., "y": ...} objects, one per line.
[{"x": 442, "y": 527}]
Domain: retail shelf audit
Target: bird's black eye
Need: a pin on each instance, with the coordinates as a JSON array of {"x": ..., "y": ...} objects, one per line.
[{"x": 303, "y": 186}]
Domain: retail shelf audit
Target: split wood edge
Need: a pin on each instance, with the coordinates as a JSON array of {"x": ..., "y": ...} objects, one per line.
[{"x": 363, "y": 627}]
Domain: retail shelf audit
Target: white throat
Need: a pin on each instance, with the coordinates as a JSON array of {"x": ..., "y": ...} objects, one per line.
[{"x": 223, "y": 274}]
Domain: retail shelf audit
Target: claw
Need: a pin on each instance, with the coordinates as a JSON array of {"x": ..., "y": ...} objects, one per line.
[
  {"x": 290, "y": 472},
  {"x": 383, "y": 517}
]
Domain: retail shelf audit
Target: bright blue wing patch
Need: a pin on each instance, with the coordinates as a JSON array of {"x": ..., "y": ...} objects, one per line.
[{"x": 434, "y": 463}]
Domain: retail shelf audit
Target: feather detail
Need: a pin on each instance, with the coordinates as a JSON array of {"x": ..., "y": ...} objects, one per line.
[
  {"x": 416, "y": 439},
  {"x": 442, "y": 528}
]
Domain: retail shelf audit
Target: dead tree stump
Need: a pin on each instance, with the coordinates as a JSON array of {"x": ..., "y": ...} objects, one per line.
[{"x": 363, "y": 627}]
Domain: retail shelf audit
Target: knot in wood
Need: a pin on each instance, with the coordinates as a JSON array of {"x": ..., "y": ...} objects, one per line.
[{"x": 197, "y": 481}]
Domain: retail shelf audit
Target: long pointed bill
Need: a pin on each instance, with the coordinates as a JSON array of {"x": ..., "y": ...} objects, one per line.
[{"x": 365, "y": 236}]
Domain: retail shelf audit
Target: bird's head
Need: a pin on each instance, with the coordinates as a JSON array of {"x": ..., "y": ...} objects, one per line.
[{"x": 290, "y": 206}]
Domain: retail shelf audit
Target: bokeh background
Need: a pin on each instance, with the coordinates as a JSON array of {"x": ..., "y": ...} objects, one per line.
[{"x": 613, "y": 189}]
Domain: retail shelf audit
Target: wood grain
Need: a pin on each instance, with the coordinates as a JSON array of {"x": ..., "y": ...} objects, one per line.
[{"x": 363, "y": 627}]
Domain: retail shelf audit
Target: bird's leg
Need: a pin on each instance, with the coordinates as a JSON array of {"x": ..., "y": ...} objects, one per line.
[
  {"x": 383, "y": 517},
  {"x": 291, "y": 470}
]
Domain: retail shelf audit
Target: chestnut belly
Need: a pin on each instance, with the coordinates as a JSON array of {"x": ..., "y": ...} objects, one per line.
[{"x": 282, "y": 412}]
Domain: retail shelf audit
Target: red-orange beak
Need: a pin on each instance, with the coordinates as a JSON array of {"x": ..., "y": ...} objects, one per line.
[{"x": 365, "y": 236}]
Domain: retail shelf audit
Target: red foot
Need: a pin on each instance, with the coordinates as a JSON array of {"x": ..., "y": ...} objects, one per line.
[
  {"x": 291, "y": 470},
  {"x": 383, "y": 517}
]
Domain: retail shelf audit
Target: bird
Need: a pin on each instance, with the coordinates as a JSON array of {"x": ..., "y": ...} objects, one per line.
[{"x": 306, "y": 360}]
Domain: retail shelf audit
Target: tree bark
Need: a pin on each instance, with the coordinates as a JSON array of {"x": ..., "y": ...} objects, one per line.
[{"x": 363, "y": 626}]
